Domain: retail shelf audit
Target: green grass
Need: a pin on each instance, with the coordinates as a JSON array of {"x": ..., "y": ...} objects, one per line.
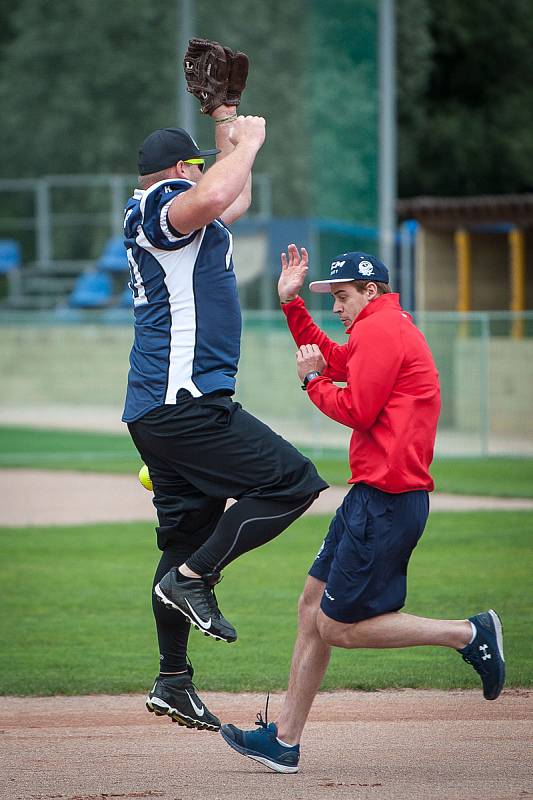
[
  {"x": 60, "y": 449},
  {"x": 75, "y": 611},
  {"x": 101, "y": 452},
  {"x": 495, "y": 476}
]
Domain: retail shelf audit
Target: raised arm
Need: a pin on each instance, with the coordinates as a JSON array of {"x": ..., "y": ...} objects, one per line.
[
  {"x": 223, "y": 184},
  {"x": 304, "y": 330},
  {"x": 224, "y": 134}
]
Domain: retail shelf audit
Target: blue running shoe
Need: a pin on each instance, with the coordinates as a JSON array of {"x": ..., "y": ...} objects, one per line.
[
  {"x": 485, "y": 653},
  {"x": 262, "y": 745}
]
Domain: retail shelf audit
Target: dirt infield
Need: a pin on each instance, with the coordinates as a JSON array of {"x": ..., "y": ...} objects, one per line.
[
  {"x": 45, "y": 497},
  {"x": 404, "y": 745}
]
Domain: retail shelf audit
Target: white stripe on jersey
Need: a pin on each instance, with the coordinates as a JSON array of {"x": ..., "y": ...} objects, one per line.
[
  {"x": 178, "y": 267},
  {"x": 140, "y": 298},
  {"x": 163, "y": 222},
  {"x": 142, "y": 196},
  {"x": 230, "y": 243}
]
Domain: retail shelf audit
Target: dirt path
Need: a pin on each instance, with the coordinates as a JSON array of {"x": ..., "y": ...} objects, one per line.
[
  {"x": 409, "y": 745},
  {"x": 45, "y": 497}
]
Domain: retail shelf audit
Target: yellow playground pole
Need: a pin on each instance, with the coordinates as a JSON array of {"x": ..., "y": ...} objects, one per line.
[
  {"x": 517, "y": 258},
  {"x": 464, "y": 275}
]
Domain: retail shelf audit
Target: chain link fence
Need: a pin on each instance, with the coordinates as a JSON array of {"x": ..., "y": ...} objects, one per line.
[{"x": 73, "y": 375}]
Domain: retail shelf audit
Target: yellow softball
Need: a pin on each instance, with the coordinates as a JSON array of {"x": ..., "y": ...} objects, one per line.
[{"x": 144, "y": 477}]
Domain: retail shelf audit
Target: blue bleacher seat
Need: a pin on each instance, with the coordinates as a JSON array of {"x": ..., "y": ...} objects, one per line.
[
  {"x": 126, "y": 298},
  {"x": 10, "y": 255},
  {"x": 91, "y": 290},
  {"x": 113, "y": 258}
]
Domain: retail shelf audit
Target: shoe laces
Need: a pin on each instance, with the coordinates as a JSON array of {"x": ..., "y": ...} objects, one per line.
[
  {"x": 211, "y": 600},
  {"x": 479, "y": 666},
  {"x": 190, "y": 671},
  {"x": 210, "y": 579},
  {"x": 263, "y": 723}
]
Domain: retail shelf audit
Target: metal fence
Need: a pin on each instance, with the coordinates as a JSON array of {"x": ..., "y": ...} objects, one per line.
[
  {"x": 59, "y": 218},
  {"x": 72, "y": 374}
]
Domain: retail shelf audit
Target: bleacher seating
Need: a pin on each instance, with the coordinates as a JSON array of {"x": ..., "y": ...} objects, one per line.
[
  {"x": 113, "y": 258},
  {"x": 92, "y": 290},
  {"x": 125, "y": 299},
  {"x": 10, "y": 255}
]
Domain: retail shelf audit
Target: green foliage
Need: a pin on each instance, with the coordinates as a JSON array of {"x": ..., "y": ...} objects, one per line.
[
  {"x": 275, "y": 35},
  {"x": 415, "y": 48},
  {"x": 465, "y": 118},
  {"x": 91, "y": 83},
  {"x": 75, "y": 612},
  {"x": 344, "y": 110},
  {"x": 97, "y": 78},
  {"x": 81, "y": 84}
]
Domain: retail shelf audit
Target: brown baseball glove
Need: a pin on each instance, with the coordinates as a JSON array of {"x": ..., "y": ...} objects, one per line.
[
  {"x": 214, "y": 74},
  {"x": 238, "y": 73}
]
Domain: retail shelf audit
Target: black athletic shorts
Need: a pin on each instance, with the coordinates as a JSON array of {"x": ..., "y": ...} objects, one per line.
[
  {"x": 204, "y": 450},
  {"x": 363, "y": 560}
]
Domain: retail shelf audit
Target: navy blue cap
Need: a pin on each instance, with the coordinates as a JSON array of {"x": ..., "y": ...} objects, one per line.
[
  {"x": 352, "y": 267},
  {"x": 166, "y": 147}
]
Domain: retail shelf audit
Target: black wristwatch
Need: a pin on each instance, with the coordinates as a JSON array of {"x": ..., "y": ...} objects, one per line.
[{"x": 309, "y": 377}]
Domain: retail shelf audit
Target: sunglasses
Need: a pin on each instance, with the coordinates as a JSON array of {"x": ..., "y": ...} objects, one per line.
[{"x": 198, "y": 162}]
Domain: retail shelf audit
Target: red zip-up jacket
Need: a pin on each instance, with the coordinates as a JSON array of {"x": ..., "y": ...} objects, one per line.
[{"x": 391, "y": 400}]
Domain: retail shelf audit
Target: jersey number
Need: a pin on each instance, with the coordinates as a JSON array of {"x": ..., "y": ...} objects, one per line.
[{"x": 136, "y": 283}]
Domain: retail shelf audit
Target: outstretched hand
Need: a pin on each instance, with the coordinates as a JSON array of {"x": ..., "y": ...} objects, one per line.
[{"x": 294, "y": 268}]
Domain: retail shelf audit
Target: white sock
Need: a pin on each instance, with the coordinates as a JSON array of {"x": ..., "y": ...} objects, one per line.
[
  {"x": 183, "y": 671},
  {"x": 474, "y": 632},
  {"x": 283, "y": 744}
]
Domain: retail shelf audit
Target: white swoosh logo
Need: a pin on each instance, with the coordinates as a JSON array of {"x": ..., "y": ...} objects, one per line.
[
  {"x": 204, "y": 625},
  {"x": 199, "y": 711}
]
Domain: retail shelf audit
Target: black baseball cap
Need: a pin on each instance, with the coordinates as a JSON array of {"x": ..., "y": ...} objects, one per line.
[
  {"x": 352, "y": 267},
  {"x": 166, "y": 147}
]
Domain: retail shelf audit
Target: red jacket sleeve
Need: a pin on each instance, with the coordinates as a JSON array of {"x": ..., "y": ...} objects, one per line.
[
  {"x": 305, "y": 331},
  {"x": 374, "y": 359}
]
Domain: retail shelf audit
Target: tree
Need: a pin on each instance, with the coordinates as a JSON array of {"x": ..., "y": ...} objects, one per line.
[
  {"x": 82, "y": 83},
  {"x": 472, "y": 133}
]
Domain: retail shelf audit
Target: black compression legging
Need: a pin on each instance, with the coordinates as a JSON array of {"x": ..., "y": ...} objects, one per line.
[{"x": 248, "y": 524}]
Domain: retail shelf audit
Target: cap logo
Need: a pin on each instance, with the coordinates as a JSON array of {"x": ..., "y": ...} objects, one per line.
[
  {"x": 366, "y": 268},
  {"x": 336, "y": 265}
]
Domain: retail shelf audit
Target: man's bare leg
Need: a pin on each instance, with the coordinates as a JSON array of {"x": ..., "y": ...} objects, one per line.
[
  {"x": 395, "y": 630},
  {"x": 317, "y": 633},
  {"x": 310, "y": 660}
]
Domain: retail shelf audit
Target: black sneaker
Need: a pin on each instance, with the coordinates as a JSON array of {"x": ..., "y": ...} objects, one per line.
[
  {"x": 485, "y": 653},
  {"x": 175, "y": 696},
  {"x": 195, "y": 599}
]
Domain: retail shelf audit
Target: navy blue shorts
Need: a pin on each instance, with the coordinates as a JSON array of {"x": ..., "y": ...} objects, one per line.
[{"x": 363, "y": 560}]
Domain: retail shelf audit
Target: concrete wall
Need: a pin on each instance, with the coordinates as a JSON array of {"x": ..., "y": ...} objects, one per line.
[
  {"x": 493, "y": 390},
  {"x": 490, "y": 272},
  {"x": 61, "y": 373},
  {"x": 435, "y": 282}
]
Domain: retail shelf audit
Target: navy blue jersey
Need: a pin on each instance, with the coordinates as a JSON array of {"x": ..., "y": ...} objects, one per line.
[{"x": 186, "y": 307}]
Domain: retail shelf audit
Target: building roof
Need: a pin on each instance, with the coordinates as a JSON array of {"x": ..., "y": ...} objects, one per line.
[{"x": 452, "y": 212}]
